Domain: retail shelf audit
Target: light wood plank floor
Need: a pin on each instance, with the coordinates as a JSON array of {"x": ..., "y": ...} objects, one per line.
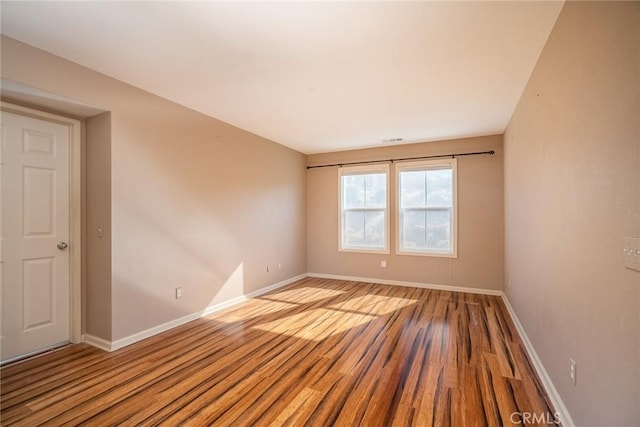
[{"x": 318, "y": 352}]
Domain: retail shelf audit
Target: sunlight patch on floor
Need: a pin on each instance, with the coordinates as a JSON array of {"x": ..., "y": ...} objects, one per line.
[
  {"x": 374, "y": 304},
  {"x": 316, "y": 324},
  {"x": 252, "y": 309},
  {"x": 302, "y": 295}
]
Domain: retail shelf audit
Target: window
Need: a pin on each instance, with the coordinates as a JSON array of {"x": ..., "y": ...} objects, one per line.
[
  {"x": 427, "y": 219},
  {"x": 364, "y": 220}
]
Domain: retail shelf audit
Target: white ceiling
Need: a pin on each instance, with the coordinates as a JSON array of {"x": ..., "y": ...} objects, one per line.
[{"x": 314, "y": 76}]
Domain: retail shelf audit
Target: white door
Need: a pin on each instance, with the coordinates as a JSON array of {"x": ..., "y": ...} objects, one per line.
[{"x": 34, "y": 228}]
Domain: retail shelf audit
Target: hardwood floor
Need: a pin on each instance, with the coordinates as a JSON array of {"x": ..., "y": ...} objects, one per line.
[{"x": 318, "y": 352}]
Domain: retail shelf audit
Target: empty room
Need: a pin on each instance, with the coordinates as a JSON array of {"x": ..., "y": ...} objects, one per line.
[{"x": 320, "y": 213}]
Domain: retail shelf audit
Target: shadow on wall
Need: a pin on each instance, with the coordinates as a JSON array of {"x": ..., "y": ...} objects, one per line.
[
  {"x": 146, "y": 307},
  {"x": 202, "y": 213}
]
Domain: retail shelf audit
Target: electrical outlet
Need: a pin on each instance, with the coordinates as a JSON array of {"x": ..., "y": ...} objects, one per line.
[
  {"x": 178, "y": 293},
  {"x": 279, "y": 266},
  {"x": 573, "y": 371},
  {"x": 383, "y": 264}
]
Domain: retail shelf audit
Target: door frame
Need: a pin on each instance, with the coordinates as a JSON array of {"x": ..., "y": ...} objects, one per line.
[{"x": 75, "y": 210}]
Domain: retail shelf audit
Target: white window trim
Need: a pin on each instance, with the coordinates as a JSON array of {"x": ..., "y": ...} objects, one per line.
[
  {"x": 362, "y": 170},
  {"x": 422, "y": 165}
]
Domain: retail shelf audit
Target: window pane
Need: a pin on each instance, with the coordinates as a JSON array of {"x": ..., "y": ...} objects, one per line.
[
  {"x": 375, "y": 190},
  {"x": 439, "y": 184},
  {"x": 412, "y": 189},
  {"x": 413, "y": 229},
  {"x": 439, "y": 230},
  {"x": 353, "y": 229},
  {"x": 364, "y": 209},
  {"x": 353, "y": 191},
  {"x": 426, "y": 211},
  {"x": 374, "y": 229}
]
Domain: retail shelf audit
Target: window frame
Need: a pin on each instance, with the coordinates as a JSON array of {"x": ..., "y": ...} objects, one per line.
[
  {"x": 364, "y": 170},
  {"x": 423, "y": 165}
]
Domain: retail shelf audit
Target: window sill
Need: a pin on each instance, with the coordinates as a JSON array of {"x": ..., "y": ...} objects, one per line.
[
  {"x": 365, "y": 251},
  {"x": 429, "y": 254}
]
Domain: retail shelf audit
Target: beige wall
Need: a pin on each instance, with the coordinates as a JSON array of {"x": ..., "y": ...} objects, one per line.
[
  {"x": 97, "y": 166},
  {"x": 572, "y": 192},
  {"x": 480, "y": 219},
  {"x": 195, "y": 203}
]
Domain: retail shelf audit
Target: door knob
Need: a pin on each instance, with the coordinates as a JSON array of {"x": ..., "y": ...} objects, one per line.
[{"x": 62, "y": 246}]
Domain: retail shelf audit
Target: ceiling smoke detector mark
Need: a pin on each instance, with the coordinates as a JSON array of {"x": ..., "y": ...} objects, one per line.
[{"x": 391, "y": 140}]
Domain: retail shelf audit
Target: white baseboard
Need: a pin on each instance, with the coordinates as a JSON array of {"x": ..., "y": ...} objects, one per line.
[
  {"x": 221, "y": 306},
  {"x": 147, "y": 333},
  {"x": 556, "y": 400},
  {"x": 410, "y": 284},
  {"x": 100, "y": 343}
]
